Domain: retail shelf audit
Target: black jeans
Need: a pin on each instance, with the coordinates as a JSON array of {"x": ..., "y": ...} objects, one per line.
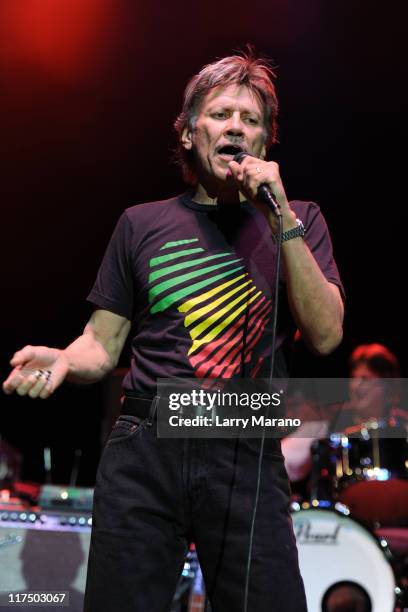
[{"x": 154, "y": 496}]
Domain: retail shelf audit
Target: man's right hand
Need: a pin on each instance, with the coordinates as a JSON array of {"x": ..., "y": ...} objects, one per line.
[{"x": 37, "y": 371}]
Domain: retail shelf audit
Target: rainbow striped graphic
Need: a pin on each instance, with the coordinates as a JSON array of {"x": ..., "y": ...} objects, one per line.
[{"x": 225, "y": 314}]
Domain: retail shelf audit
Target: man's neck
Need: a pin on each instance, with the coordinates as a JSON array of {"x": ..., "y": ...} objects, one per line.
[{"x": 226, "y": 195}]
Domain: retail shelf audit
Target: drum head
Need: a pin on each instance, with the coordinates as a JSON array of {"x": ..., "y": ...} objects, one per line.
[{"x": 335, "y": 549}]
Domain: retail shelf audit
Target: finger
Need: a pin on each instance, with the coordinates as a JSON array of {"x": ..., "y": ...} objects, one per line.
[
  {"x": 239, "y": 175},
  {"x": 21, "y": 357},
  {"x": 250, "y": 181},
  {"x": 38, "y": 388},
  {"x": 56, "y": 377},
  {"x": 236, "y": 170},
  {"x": 248, "y": 169},
  {"x": 33, "y": 385},
  {"x": 36, "y": 383},
  {"x": 14, "y": 379},
  {"x": 28, "y": 383},
  {"x": 46, "y": 391}
]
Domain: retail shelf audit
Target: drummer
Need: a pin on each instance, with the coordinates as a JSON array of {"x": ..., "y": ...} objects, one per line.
[
  {"x": 373, "y": 395},
  {"x": 374, "y": 387}
]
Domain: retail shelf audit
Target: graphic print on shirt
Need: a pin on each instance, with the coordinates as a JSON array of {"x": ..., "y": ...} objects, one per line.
[{"x": 225, "y": 313}]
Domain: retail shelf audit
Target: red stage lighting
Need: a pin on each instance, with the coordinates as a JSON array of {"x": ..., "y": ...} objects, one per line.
[{"x": 65, "y": 38}]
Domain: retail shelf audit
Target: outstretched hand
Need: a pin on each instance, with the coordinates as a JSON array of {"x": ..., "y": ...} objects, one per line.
[{"x": 37, "y": 371}]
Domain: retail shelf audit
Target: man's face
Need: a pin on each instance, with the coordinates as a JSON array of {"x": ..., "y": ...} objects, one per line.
[
  {"x": 368, "y": 393},
  {"x": 230, "y": 119}
]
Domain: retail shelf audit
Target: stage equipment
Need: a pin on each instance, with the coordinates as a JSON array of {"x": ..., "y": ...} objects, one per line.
[
  {"x": 365, "y": 468},
  {"x": 57, "y": 497},
  {"x": 44, "y": 552},
  {"x": 334, "y": 550}
]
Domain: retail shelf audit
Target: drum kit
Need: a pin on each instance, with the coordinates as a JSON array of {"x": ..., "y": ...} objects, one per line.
[{"x": 353, "y": 530}]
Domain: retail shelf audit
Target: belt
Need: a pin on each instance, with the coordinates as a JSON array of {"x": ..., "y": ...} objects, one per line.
[{"x": 143, "y": 407}]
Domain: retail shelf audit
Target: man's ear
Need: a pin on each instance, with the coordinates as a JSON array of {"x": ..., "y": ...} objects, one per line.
[{"x": 186, "y": 139}]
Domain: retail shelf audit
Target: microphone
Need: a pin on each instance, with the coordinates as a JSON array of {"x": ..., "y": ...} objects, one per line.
[{"x": 264, "y": 192}]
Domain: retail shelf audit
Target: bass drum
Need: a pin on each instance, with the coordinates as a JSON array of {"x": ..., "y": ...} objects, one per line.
[{"x": 336, "y": 550}]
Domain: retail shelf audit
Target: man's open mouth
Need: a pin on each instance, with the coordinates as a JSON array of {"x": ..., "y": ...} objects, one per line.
[{"x": 228, "y": 151}]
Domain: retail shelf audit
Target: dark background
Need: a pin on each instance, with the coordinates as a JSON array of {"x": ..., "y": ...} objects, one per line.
[{"x": 89, "y": 92}]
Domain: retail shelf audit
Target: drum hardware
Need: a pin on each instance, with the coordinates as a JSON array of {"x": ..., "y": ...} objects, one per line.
[
  {"x": 366, "y": 468},
  {"x": 196, "y": 601},
  {"x": 190, "y": 593}
]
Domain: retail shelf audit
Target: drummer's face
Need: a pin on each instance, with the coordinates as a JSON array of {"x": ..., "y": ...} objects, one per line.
[{"x": 368, "y": 393}]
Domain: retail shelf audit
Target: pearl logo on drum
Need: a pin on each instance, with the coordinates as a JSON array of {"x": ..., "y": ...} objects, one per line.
[{"x": 306, "y": 533}]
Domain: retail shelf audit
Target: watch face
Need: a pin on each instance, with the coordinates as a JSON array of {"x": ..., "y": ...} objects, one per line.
[
  {"x": 300, "y": 230},
  {"x": 294, "y": 232}
]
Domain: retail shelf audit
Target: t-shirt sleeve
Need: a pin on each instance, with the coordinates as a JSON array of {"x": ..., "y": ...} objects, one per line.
[
  {"x": 319, "y": 242},
  {"x": 114, "y": 286}
]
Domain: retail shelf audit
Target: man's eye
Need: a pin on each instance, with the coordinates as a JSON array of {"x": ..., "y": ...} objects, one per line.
[
  {"x": 219, "y": 115},
  {"x": 252, "y": 120}
]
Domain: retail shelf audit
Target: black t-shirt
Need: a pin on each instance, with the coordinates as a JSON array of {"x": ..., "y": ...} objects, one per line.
[{"x": 196, "y": 282}]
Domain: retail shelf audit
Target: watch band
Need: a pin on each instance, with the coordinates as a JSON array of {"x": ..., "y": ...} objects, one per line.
[{"x": 295, "y": 232}]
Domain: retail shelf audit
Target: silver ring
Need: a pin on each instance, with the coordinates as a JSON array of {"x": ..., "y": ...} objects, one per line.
[
  {"x": 43, "y": 374},
  {"x": 47, "y": 375},
  {"x": 258, "y": 169}
]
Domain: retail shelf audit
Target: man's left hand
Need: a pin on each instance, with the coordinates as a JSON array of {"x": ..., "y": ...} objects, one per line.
[{"x": 253, "y": 172}]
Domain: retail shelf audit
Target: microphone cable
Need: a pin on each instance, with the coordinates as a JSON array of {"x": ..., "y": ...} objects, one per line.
[
  {"x": 270, "y": 380},
  {"x": 266, "y": 195}
]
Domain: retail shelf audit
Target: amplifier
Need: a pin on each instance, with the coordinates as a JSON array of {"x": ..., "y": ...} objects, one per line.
[{"x": 44, "y": 552}]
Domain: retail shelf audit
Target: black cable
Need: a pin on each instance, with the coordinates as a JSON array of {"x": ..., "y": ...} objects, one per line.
[{"x": 261, "y": 450}]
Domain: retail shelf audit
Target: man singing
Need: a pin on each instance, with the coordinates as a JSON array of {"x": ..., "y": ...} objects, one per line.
[{"x": 193, "y": 278}]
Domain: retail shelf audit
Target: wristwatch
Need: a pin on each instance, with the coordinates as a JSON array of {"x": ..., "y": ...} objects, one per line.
[{"x": 298, "y": 231}]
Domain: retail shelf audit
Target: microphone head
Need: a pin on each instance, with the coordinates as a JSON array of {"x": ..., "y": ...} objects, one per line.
[{"x": 240, "y": 156}]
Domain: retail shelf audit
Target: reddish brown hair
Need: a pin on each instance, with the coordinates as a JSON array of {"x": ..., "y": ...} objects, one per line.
[
  {"x": 378, "y": 358},
  {"x": 245, "y": 69}
]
